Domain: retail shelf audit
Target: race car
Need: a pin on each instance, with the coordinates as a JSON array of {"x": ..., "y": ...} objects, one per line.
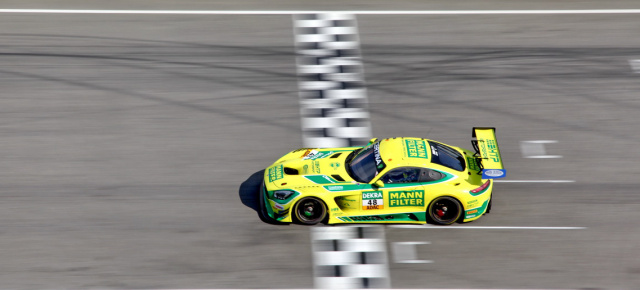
[{"x": 393, "y": 180}]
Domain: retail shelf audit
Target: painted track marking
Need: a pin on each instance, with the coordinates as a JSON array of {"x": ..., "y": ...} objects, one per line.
[
  {"x": 350, "y": 257},
  {"x": 635, "y": 65},
  {"x": 405, "y": 252},
  {"x": 536, "y": 149},
  {"x": 483, "y": 227},
  {"x": 333, "y": 98},
  {"x": 357, "y": 12}
]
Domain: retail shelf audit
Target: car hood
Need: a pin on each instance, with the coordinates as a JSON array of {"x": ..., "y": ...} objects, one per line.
[{"x": 309, "y": 167}]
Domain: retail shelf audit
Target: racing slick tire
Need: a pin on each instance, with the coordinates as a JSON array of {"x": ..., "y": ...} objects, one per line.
[
  {"x": 444, "y": 210},
  {"x": 310, "y": 211},
  {"x": 489, "y": 205}
]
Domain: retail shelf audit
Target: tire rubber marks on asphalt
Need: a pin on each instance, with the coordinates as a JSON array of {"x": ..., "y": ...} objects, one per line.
[
  {"x": 333, "y": 98},
  {"x": 350, "y": 257}
]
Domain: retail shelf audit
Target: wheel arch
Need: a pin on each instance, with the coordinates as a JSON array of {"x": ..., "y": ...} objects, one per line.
[{"x": 460, "y": 218}]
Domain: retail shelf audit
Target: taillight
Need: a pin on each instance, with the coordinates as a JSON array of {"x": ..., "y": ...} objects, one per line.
[{"x": 481, "y": 188}]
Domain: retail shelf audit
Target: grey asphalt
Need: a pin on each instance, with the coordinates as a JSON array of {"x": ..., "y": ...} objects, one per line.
[{"x": 131, "y": 144}]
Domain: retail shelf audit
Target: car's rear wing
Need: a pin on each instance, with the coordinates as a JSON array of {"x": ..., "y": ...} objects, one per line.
[{"x": 487, "y": 152}]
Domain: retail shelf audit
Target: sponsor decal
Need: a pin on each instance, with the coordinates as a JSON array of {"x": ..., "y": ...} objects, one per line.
[
  {"x": 490, "y": 149},
  {"x": 335, "y": 209},
  {"x": 366, "y": 218},
  {"x": 335, "y": 165},
  {"x": 315, "y": 154},
  {"x": 306, "y": 153},
  {"x": 473, "y": 165},
  {"x": 376, "y": 152},
  {"x": 331, "y": 180},
  {"x": 372, "y": 200},
  {"x": 278, "y": 206},
  {"x": 493, "y": 150},
  {"x": 315, "y": 167},
  {"x": 493, "y": 172},
  {"x": 406, "y": 198},
  {"x": 275, "y": 173},
  {"x": 305, "y": 169},
  {"x": 320, "y": 179},
  {"x": 474, "y": 212},
  {"x": 416, "y": 148},
  {"x": 335, "y": 187}
]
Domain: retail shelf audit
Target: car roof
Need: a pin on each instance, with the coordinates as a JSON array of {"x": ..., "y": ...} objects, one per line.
[{"x": 408, "y": 151}]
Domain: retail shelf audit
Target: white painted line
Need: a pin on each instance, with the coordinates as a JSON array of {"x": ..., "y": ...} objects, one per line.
[
  {"x": 483, "y": 227},
  {"x": 544, "y": 156},
  {"x": 635, "y": 65},
  {"x": 405, "y": 252},
  {"x": 534, "y": 181},
  {"x": 376, "y": 288},
  {"x": 290, "y": 12},
  {"x": 536, "y": 149}
]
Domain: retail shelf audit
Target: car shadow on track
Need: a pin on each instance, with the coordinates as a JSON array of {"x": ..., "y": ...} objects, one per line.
[{"x": 250, "y": 196}]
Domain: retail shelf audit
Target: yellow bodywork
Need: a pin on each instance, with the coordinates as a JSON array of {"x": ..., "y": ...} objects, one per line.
[{"x": 322, "y": 173}]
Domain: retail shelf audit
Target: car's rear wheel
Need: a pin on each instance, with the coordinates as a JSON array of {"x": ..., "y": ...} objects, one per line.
[
  {"x": 310, "y": 211},
  {"x": 444, "y": 210}
]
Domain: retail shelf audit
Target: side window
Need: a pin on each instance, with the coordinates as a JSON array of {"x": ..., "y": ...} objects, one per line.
[
  {"x": 430, "y": 175},
  {"x": 402, "y": 175}
]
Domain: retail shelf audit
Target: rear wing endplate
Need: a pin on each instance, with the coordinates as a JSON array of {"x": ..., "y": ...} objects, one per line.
[{"x": 487, "y": 152}]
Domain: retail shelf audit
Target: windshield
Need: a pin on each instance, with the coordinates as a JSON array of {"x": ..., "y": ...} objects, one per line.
[
  {"x": 446, "y": 156},
  {"x": 366, "y": 164}
]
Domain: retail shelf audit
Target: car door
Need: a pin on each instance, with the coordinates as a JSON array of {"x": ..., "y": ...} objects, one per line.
[
  {"x": 402, "y": 192},
  {"x": 406, "y": 189}
]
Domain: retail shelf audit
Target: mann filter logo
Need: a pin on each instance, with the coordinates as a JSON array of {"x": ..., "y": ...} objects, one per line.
[
  {"x": 275, "y": 173},
  {"x": 372, "y": 200},
  {"x": 406, "y": 198},
  {"x": 416, "y": 148}
]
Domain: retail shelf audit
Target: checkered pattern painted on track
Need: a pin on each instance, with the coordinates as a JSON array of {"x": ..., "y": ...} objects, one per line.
[
  {"x": 333, "y": 97},
  {"x": 350, "y": 257}
]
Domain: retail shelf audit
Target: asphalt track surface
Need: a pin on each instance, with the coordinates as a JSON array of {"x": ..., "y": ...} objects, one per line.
[{"x": 132, "y": 145}]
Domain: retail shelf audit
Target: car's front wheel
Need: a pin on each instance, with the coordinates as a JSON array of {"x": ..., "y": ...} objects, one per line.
[
  {"x": 310, "y": 211},
  {"x": 444, "y": 210}
]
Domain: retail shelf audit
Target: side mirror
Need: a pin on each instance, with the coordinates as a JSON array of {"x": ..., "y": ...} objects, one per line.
[
  {"x": 373, "y": 140},
  {"x": 378, "y": 184}
]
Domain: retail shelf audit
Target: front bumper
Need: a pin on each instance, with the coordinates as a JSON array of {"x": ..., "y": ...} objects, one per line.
[{"x": 267, "y": 210}]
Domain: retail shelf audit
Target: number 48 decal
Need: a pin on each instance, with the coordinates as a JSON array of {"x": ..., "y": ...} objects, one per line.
[{"x": 372, "y": 200}]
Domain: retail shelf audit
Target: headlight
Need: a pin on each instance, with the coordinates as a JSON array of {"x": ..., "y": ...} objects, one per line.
[{"x": 282, "y": 194}]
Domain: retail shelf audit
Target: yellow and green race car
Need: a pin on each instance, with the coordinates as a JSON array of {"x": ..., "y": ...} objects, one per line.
[{"x": 394, "y": 180}]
